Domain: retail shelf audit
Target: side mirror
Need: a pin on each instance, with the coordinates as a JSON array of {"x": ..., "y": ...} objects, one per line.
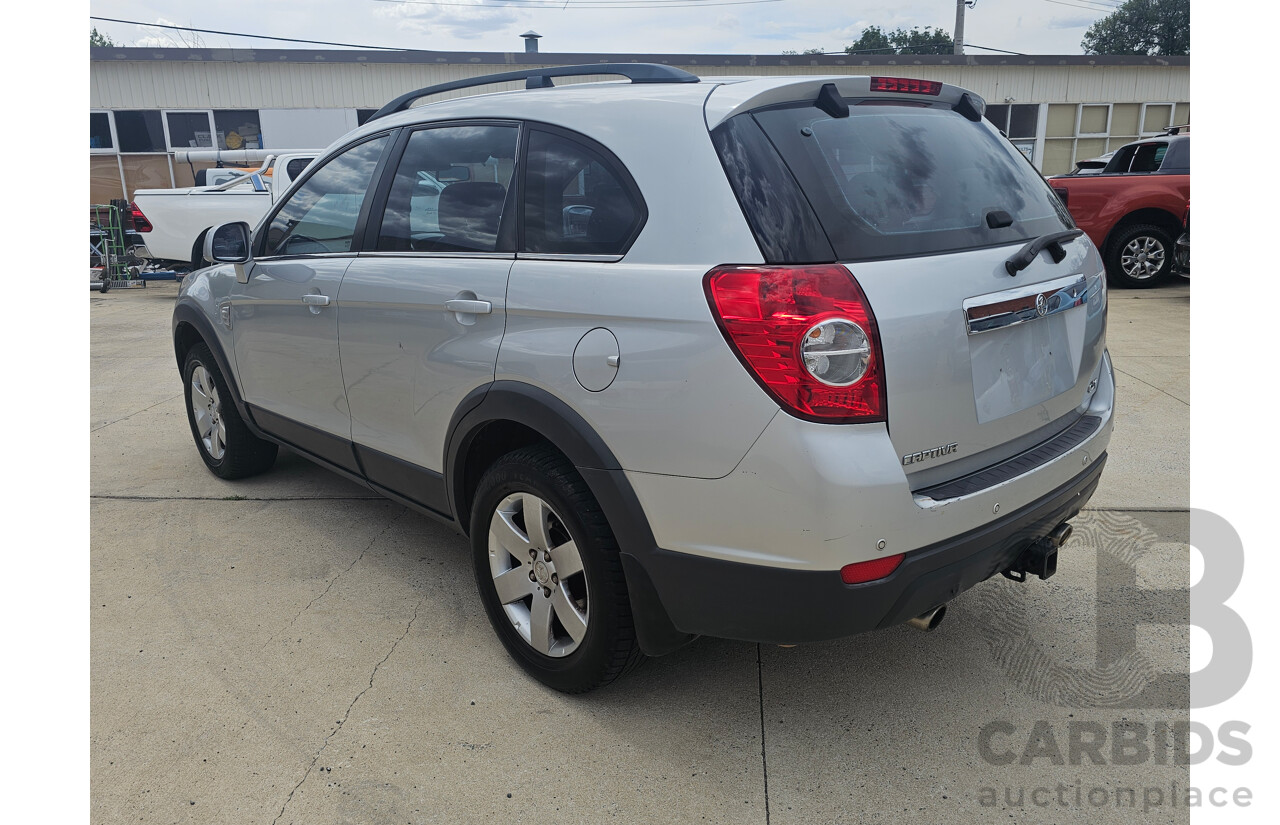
[{"x": 229, "y": 243}]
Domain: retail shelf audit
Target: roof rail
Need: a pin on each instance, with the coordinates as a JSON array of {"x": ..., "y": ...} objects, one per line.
[{"x": 541, "y": 79}]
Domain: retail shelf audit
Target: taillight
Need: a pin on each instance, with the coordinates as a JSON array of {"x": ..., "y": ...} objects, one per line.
[
  {"x": 906, "y": 84},
  {"x": 807, "y": 335},
  {"x": 869, "y": 571},
  {"x": 140, "y": 222}
]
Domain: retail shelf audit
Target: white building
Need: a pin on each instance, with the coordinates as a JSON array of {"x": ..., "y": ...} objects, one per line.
[{"x": 146, "y": 103}]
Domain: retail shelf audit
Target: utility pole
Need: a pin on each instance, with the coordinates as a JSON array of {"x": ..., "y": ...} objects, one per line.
[{"x": 959, "y": 36}]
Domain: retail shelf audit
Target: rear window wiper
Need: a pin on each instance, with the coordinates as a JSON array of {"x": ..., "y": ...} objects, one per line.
[{"x": 1052, "y": 242}]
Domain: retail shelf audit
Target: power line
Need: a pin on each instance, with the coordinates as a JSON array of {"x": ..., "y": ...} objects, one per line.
[
  {"x": 242, "y": 34},
  {"x": 1094, "y": 9},
  {"x": 989, "y": 49}
]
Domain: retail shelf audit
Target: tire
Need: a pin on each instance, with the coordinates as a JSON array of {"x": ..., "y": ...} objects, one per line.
[
  {"x": 585, "y": 637},
  {"x": 229, "y": 449},
  {"x": 1140, "y": 257}
]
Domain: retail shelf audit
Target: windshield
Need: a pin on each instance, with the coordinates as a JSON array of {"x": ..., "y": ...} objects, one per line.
[{"x": 901, "y": 180}]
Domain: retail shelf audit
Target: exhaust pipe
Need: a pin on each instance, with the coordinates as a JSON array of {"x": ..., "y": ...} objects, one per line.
[{"x": 929, "y": 620}]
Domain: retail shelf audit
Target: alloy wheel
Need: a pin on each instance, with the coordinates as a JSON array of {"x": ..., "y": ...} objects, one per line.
[
  {"x": 537, "y": 573},
  {"x": 1142, "y": 258},
  {"x": 207, "y": 407}
]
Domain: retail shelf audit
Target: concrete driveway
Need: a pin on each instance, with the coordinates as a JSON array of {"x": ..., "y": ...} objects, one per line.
[{"x": 294, "y": 649}]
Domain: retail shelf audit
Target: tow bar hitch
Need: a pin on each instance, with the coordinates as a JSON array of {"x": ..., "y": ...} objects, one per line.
[{"x": 1041, "y": 557}]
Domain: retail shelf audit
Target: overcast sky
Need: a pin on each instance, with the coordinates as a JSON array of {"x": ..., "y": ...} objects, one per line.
[{"x": 634, "y": 26}]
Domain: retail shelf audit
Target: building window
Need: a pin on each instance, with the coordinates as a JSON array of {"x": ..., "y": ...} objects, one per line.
[
  {"x": 1156, "y": 118},
  {"x": 140, "y": 131},
  {"x": 1017, "y": 120},
  {"x": 189, "y": 130},
  {"x": 1094, "y": 120},
  {"x": 100, "y": 138},
  {"x": 237, "y": 129}
]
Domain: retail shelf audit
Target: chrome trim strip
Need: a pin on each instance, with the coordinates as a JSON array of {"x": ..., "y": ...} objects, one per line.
[
  {"x": 1011, "y": 307},
  {"x": 498, "y": 255},
  {"x": 564, "y": 256},
  {"x": 274, "y": 258}
]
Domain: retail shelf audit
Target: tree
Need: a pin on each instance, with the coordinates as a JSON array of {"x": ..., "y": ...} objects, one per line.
[
  {"x": 928, "y": 40},
  {"x": 872, "y": 41},
  {"x": 97, "y": 39},
  {"x": 1142, "y": 27},
  {"x": 922, "y": 41}
]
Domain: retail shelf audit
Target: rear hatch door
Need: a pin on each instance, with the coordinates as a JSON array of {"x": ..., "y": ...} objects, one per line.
[{"x": 925, "y": 206}]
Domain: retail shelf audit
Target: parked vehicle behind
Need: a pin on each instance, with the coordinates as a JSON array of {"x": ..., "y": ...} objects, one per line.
[
  {"x": 780, "y": 359},
  {"x": 178, "y": 218},
  {"x": 1132, "y": 210}
]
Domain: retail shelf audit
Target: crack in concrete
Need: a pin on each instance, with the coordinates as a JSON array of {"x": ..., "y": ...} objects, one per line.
[
  {"x": 347, "y": 715},
  {"x": 132, "y": 414},
  {"x": 1152, "y": 386},
  {"x": 764, "y": 762},
  {"x": 332, "y": 581},
  {"x": 1136, "y": 510}
]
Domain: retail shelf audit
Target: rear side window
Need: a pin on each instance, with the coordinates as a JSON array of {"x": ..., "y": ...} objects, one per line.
[
  {"x": 899, "y": 181},
  {"x": 449, "y": 190},
  {"x": 577, "y": 200},
  {"x": 1148, "y": 157}
]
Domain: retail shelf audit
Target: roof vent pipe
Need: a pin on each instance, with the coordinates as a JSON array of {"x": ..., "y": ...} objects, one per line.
[{"x": 531, "y": 41}]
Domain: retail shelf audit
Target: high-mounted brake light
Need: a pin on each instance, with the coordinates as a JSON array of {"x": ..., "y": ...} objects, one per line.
[
  {"x": 807, "y": 335},
  {"x": 869, "y": 571},
  {"x": 140, "y": 222},
  {"x": 910, "y": 85}
]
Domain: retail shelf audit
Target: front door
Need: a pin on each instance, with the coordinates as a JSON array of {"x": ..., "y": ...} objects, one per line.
[{"x": 284, "y": 321}]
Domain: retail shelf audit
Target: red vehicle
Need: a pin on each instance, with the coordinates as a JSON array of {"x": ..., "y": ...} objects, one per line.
[{"x": 1133, "y": 210}]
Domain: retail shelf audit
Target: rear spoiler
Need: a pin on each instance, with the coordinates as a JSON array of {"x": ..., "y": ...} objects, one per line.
[{"x": 828, "y": 93}]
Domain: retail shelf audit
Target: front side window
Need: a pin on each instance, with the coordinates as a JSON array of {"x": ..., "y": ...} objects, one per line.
[
  {"x": 449, "y": 190},
  {"x": 576, "y": 200},
  {"x": 320, "y": 217}
]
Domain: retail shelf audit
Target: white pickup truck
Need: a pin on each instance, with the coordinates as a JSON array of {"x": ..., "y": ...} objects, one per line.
[{"x": 178, "y": 218}]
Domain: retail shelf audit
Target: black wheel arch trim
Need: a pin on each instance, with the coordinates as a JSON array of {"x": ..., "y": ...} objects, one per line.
[
  {"x": 566, "y": 430},
  {"x": 191, "y": 315}
]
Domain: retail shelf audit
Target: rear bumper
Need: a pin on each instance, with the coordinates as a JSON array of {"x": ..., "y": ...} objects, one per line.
[{"x": 714, "y": 597}]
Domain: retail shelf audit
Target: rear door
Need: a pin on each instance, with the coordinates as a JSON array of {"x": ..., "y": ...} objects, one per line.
[
  {"x": 423, "y": 308},
  {"x": 924, "y": 206}
]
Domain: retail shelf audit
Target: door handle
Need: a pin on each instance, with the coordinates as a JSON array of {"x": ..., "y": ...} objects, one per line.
[
  {"x": 468, "y": 307},
  {"x": 316, "y": 300}
]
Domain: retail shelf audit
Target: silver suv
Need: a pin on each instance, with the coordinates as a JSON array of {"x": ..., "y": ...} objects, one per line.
[{"x": 771, "y": 359}]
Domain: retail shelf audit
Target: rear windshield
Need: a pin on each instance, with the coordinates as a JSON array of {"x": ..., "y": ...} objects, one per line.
[{"x": 899, "y": 180}]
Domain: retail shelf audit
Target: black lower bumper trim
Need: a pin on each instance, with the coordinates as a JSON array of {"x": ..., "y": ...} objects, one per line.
[{"x": 712, "y": 597}]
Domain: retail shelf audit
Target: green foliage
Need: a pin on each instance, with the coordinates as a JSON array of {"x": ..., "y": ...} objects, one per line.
[
  {"x": 873, "y": 40},
  {"x": 928, "y": 40},
  {"x": 97, "y": 39},
  {"x": 1142, "y": 27}
]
